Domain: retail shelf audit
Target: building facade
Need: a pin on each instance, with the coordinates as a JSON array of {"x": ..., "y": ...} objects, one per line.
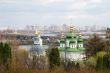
[
  {"x": 37, "y": 48},
  {"x": 71, "y": 41}
]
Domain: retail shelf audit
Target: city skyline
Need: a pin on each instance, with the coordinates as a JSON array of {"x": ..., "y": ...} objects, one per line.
[{"x": 19, "y": 13}]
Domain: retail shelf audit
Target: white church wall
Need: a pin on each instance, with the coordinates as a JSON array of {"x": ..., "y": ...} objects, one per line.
[
  {"x": 80, "y": 45},
  {"x": 62, "y": 45},
  {"x": 67, "y": 43},
  {"x": 71, "y": 46},
  {"x": 75, "y": 45}
]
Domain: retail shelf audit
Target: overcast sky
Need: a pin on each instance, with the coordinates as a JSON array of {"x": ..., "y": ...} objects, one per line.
[{"x": 18, "y": 13}]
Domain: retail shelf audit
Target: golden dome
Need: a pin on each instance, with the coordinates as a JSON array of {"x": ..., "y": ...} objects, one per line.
[
  {"x": 72, "y": 28},
  {"x": 37, "y": 32},
  {"x": 62, "y": 35}
]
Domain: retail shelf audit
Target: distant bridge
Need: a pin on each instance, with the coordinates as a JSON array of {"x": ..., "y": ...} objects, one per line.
[{"x": 26, "y": 36}]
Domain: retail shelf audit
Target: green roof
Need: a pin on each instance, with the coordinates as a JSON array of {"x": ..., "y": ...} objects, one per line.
[
  {"x": 69, "y": 37},
  {"x": 72, "y": 42},
  {"x": 70, "y": 34},
  {"x": 62, "y": 41},
  {"x": 73, "y": 49},
  {"x": 80, "y": 40},
  {"x": 75, "y": 37}
]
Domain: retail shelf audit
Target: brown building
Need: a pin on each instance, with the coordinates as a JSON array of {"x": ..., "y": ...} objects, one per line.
[{"x": 108, "y": 33}]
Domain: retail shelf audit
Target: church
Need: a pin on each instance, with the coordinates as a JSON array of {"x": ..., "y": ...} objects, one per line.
[
  {"x": 71, "y": 42},
  {"x": 37, "y": 48}
]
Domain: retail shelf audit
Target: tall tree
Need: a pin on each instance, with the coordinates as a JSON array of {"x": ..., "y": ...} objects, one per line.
[
  {"x": 1, "y": 52},
  {"x": 54, "y": 57},
  {"x": 5, "y": 53}
]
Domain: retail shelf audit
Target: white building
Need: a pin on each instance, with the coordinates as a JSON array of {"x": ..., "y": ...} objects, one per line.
[{"x": 37, "y": 47}]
